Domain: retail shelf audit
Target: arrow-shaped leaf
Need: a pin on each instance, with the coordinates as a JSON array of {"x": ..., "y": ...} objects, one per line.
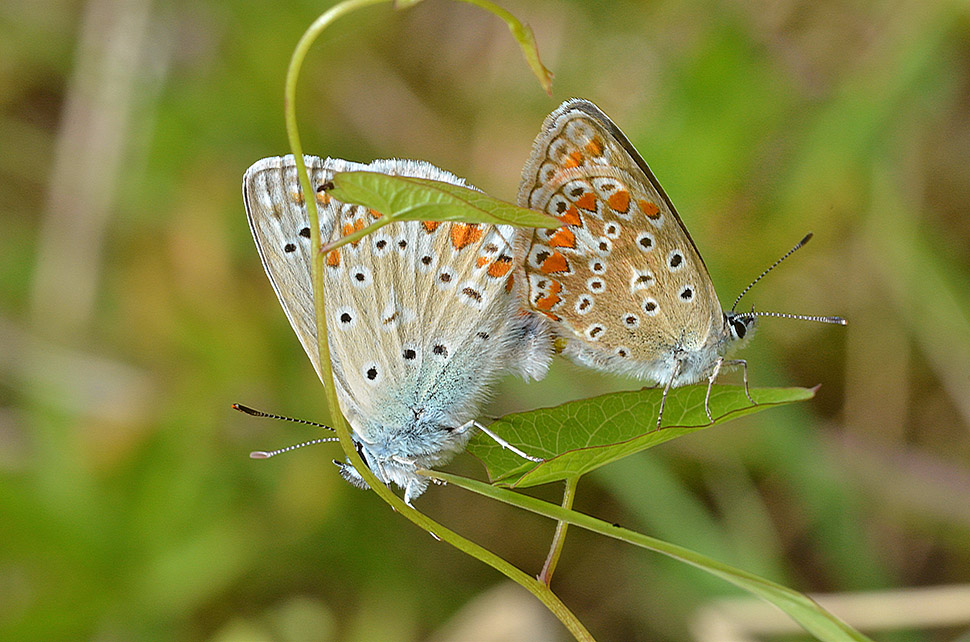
[
  {"x": 580, "y": 436},
  {"x": 404, "y": 198}
]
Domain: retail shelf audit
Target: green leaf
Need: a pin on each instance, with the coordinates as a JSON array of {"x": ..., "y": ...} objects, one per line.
[
  {"x": 801, "y": 608},
  {"x": 404, "y": 198},
  {"x": 580, "y": 436}
]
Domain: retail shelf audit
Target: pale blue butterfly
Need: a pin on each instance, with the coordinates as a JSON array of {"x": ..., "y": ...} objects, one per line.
[{"x": 423, "y": 317}]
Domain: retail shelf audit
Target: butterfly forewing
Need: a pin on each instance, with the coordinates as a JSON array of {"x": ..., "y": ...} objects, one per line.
[
  {"x": 421, "y": 315},
  {"x": 277, "y": 217},
  {"x": 621, "y": 280}
]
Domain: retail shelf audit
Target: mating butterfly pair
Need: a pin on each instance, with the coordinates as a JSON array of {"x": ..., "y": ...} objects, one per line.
[{"x": 424, "y": 317}]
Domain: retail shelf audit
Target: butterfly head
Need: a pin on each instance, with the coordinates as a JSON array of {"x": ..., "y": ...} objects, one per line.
[
  {"x": 739, "y": 326},
  {"x": 387, "y": 469}
]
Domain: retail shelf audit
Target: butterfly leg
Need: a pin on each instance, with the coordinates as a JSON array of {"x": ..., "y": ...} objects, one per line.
[
  {"x": 501, "y": 442},
  {"x": 744, "y": 370},
  {"x": 710, "y": 383},
  {"x": 667, "y": 387}
]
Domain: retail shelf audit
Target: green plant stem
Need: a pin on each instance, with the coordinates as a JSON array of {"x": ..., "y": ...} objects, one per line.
[
  {"x": 798, "y": 606},
  {"x": 559, "y": 538},
  {"x": 356, "y": 236},
  {"x": 540, "y": 590}
]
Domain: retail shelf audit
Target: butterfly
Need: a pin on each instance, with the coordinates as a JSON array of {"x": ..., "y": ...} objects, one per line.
[
  {"x": 423, "y": 317},
  {"x": 621, "y": 283}
]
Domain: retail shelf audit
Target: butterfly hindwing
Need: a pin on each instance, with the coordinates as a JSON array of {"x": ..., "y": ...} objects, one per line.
[
  {"x": 422, "y": 316},
  {"x": 621, "y": 281}
]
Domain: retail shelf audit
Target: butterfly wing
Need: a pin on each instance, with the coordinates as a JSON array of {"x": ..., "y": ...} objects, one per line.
[
  {"x": 622, "y": 280},
  {"x": 420, "y": 314}
]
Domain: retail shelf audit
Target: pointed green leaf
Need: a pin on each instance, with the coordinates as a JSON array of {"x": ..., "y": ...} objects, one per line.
[
  {"x": 404, "y": 198},
  {"x": 580, "y": 436}
]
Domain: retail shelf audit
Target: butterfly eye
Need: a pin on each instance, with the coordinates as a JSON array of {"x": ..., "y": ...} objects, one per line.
[
  {"x": 359, "y": 447},
  {"x": 739, "y": 327}
]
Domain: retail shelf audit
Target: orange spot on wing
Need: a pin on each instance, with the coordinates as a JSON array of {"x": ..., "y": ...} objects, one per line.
[
  {"x": 563, "y": 238},
  {"x": 554, "y": 263},
  {"x": 430, "y": 226},
  {"x": 500, "y": 267},
  {"x": 463, "y": 235},
  {"x": 333, "y": 258},
  {"x": 297, "y": 197},
  {"x": 587, "y": 202},
  {"x": 482, "y": 261},
  {"x": 555, "y": 287},
  {"x": 509, "y": 283},
  {"x": 574, "y": 159},
  {"x": 323, "y": 198},
  {"x": 374, "y": 213},
  {"x": 619, "y": 201},
  {"x": 553, "y": 316},
  {"x": 594, "y": 147},
  {"x": 571, "y": 217},
  {"x": 358, "y": 226},
  {"x": 648, "y": 208},
  {"x": 348, "y": 229},
  {"x": 546, "y": 303}
]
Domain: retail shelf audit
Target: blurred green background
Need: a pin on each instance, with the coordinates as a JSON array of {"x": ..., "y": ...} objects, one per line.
[{"x": 134, "y": 311}]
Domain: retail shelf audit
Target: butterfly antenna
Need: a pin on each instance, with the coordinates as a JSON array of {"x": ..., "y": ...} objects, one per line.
[
  {"x": 260, "y": 413},
  {"x": 785, "y": 315},
  {"x": 799, "y": 245},
  {"x": 262, "y": 454}
]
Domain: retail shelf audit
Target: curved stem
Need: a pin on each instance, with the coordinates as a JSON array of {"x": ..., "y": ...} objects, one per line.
[
  {"x": 798, "y": 606},
  {"x": 559, "y": 538},
  {"x": 356, "y": 236},
  {"x": 540, "y": 590}
]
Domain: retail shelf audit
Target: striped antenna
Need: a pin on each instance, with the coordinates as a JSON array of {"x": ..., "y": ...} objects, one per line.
[
  {"x": 785, "y": 315},
  {"x": 262, "y": 454},
  {"x": 808, "y": 237}
]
